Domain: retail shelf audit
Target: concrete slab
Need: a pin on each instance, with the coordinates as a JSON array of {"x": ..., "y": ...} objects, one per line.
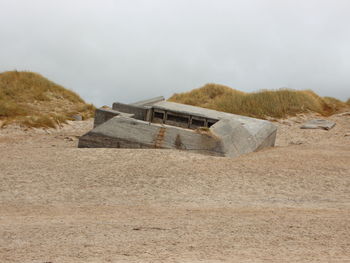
[
  {"x": 318, "y": 124},
  {"x": 123, "y": 132}
]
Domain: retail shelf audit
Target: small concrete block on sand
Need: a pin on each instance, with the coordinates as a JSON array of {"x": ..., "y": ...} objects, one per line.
[{"x": 318, "y": 124}]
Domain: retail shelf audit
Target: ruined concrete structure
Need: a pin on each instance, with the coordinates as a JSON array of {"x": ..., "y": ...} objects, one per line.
[{"x": 157, "y": 123}]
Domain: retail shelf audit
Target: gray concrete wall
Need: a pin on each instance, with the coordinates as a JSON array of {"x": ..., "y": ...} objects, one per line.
[
  {"x": 140, "y": 113},
  {"x": 238, "y": 139},
  {"x": 102, "y": 115},
  {"x": 122, "y": 132}
]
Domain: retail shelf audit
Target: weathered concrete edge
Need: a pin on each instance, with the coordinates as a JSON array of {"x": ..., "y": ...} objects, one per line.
[
  {"x": 118, "y": 133},
  {"x": 102, "y": 115},
  {"x": 148, "y": 102}
]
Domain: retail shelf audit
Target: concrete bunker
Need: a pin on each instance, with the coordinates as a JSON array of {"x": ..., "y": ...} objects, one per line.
[{"x": 156, "y": 123}]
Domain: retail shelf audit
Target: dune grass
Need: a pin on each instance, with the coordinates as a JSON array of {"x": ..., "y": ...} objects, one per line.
[
  {"x": 262, "y": 104},
  {"x": 31, "y": 100}
]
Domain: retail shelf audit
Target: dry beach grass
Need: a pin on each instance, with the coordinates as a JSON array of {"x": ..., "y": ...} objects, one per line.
[
  {"x": 290, "y": 203},
  {"x": 262, "y": 104},
  {"x": 31, "y": 100}
]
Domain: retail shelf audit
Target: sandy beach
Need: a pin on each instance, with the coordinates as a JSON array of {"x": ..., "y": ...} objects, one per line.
[{"x": 290, "y": 203}]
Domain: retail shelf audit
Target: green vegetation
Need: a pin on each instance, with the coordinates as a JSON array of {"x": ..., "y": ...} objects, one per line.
[
  {"x": 31, "y": 100},
  {"x": 266, "y": 103}
]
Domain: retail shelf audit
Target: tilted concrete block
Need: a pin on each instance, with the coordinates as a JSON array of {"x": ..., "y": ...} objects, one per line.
[{"x": 170, "y": 125}]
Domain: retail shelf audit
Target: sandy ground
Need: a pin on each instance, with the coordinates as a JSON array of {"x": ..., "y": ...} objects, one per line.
[{"x": 290, "y": 203}]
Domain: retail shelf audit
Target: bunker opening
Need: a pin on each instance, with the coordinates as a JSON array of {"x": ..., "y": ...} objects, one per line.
[
  {"x": 211, "y": 123},
  {"x": 197, "y": 123},
  {"x": 159, "y": 115},
  {"x": 177, "y": 118},
  {"x": 180, "y": 119}
]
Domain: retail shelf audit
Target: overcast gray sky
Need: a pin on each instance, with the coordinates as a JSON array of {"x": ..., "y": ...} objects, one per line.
[{"x": 127, "y": 50}]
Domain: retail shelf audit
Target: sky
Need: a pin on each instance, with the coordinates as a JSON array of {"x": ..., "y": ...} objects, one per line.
[{"x": 129, "y": 50}]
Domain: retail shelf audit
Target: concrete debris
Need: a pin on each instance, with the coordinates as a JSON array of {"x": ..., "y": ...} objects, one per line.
[
  {"x": 156, "y": 123},
  {"x": 318, "y": 124}
]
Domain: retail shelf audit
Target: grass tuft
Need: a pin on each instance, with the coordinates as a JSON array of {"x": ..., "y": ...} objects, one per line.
[
  {"x": 31, "y": 100},
  {"x": 262, "y": 104}
]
